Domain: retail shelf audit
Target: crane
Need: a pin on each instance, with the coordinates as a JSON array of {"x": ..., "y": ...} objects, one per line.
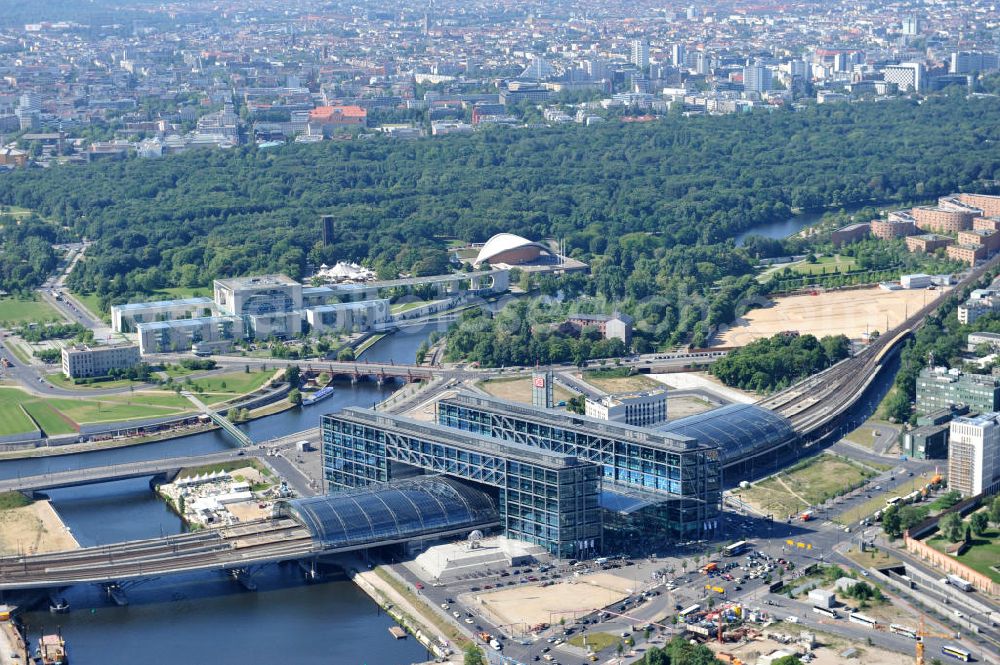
[{"x": 921, "y": 634}]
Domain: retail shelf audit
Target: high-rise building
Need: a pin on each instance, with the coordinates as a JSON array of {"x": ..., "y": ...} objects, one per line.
[
  {"x": 974, "y": 454},
  {"x": 678, "y": 55},
  {"x": 756, "y": 78},
  {"x": 967, "y": 62},
  {"x": 911, "y": 26},
  {"x": 640, "y": 53},
  {"x": 907, "y": 75},
  {"x": 596, "y": 68}
]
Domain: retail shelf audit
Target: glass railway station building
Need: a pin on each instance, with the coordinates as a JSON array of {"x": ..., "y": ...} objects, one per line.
[{"x": 571, "y": 484}]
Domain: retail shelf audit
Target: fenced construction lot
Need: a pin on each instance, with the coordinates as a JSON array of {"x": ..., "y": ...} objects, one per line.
[{"x": 851, "y": 312}]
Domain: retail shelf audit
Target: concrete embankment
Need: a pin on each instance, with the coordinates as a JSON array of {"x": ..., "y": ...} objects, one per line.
[{"x": 413, "y": 619}]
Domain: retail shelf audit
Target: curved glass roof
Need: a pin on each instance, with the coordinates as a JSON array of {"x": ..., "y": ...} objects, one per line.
[
  {"x": 503, "y": 242},
  {"x": 392, "y": 511},
  {"x": 740, "y": 430}
]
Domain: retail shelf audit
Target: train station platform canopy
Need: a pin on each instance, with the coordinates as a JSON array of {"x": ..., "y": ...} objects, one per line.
[
  {"x": 392, "y": 512},
  {"x": 740, "y": 430}
]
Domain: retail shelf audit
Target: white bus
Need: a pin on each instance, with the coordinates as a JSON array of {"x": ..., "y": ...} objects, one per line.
[
  {"x": 826, "y": 612},
  {"x": 854, "y": 617},
  {"x": 902, "y": 630},
  {"x": 686, "y": 612},
  {"x": 736, "y": 548},
  {"x": 956, "y": 652}
]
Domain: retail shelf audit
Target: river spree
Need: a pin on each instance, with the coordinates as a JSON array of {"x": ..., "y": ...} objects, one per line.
[{"x": 206, "y": 617}]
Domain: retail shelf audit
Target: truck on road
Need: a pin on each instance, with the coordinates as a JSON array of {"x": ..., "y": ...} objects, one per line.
[{"x": 959, "y": 583}]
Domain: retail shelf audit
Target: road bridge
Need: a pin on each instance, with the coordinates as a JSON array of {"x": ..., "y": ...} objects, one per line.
[
  {"x": 388, "y": 514},
  {"x": 162, "y": 468}
]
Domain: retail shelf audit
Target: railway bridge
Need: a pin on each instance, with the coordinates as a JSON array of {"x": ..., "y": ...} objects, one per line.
[{"x": 299, "y": 529}]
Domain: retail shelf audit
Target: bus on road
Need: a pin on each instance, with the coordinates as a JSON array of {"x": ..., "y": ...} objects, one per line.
[
  {"x": 736, "y": 548},
  {"x": 956, "y": 652}
]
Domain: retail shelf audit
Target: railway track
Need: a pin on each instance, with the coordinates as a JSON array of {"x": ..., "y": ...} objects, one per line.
[{"x": 817, "y": 400}]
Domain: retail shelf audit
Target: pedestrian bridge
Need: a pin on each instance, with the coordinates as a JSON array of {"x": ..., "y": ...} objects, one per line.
[{"x": 387, "y": 514}]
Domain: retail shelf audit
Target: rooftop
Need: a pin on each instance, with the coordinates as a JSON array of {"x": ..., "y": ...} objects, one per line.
[
  {"x": 162, "y": 304},
  {"x": 255, "y": 281},
  {"x": 459, "y": 438},
  {"x": 739, "y": 430},
  {"x": 186, "y": 323},
  {"x": 594, "y": 426}
]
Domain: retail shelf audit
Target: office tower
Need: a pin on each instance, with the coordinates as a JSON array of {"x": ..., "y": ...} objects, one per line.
[
  {"x": 974, "y": 454},
  {"x": 911, "y": 26},
  {"x": 640, "y": 53},
  {"x": 677, "y": 55},
  {"x": 756, "y": 78}
]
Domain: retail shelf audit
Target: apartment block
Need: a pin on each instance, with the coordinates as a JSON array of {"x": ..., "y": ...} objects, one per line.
[
  {"x": 987, "y": 203},
  {"x": 986, "y": 237},
  {"x": 927, "y": 243},
  {"x": 87, "y": 361},
  {"x": 941, "y": 219},
  {"x": 899, "y": 224},
  {"x": 974, "y": 454},
  {"x": 969, "y": 254},
  {"x": 986, "y": 223},
  {"x": 850, "y": 233}
]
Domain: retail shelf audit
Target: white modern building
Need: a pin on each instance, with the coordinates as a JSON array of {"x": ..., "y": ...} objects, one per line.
[
  {"x": 87, "y": 361},
  {"x": 642, "y": 409},
  {"x": 359, "y": 316},
  {"x": 974, "y": 340},
  {"x": 756, "y": 78},
  {"x": 974, "y": 454},
  {"x": 908, "y": 75},
  {"x": 182, "y": 334},
  {"x": 125, "y": 318}
]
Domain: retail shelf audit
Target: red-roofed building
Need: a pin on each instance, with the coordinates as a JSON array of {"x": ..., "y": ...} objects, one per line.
[{"x": 338, "y": 116}]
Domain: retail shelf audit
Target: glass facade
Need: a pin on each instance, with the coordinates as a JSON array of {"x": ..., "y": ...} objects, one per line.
[
  {"x": 549, "y": 499},
  {"x": 675, "y": 466},
  {"x": 395, "y": 511}
]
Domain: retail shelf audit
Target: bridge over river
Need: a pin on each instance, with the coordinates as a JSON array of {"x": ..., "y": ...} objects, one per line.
[{"x": 400, "y": 512}]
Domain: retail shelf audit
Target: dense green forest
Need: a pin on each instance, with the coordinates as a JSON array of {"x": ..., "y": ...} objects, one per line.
[
  {"x": 777, "y": 362},
  {"x": 651, "y": 206}
]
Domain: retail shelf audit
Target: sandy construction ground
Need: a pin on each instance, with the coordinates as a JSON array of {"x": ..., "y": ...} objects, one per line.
[
  {"x": 34, "y": 529},
  {"x": 534, "y": 604},
  {"x": 829, "y": 313},
  {"x": 826, "y": 654},
  {"x": 703, "y": 381}
]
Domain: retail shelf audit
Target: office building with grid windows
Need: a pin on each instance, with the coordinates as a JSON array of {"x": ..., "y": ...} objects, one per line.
[{"x": 543, "y": 497}]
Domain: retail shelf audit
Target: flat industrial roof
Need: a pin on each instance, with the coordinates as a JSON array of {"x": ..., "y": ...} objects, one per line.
[
  {"x": 595, "y": 426},
  {"x": 252, "y": 281},
  {"x": 458, "y": 438},
  {"x": 357, "y": 304},
  {"x": 160, "y": 304},
  {"x": 410, "y": 281},
  {"x": 185, "y": 323}
]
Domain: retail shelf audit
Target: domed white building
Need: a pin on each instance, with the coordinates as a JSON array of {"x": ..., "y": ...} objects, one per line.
[{"x": 511, "y": 249}]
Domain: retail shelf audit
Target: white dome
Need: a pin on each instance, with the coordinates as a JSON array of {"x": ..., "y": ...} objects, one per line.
[{"x": 505, "y": 242}]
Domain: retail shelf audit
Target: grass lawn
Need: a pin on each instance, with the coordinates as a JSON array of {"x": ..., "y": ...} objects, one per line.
[
  {"x": 103, "y": 410},
  {"x": 12, "y": 419},
  {"x": 982, "y": 556},
  {"x": 92, "y": 302},
  {"x": 872, "y": 558},
  {"x": 407, "y": 306},
  {"x": 829, "y": 264},
  {"x": 597, "y": 641},
  {"x": 808, "y": 483},
  {"x": 518, "y": 389},
  {"x": 15, "y": 312},
  {"x": 236, "y": 383},
  {"x": 48, "y": 418},
  {"x": 59, "y": 379},
  {"x": 619, "y": 381},
  {"x": 17, "y": 212}
]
